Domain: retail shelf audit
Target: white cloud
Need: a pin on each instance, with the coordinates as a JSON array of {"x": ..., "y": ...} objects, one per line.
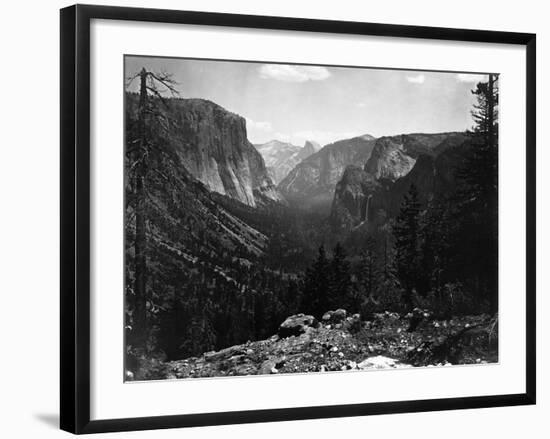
[
  {"x": 261, "y": 132},
  {"x": 418, "y": 79},
  {"x": 469, "y": 77},
  {"x": 289, "y": 73},
  {"x": 361, "y": 104},
  {"x": 283, "y": 137},
  {"x": 259, "y": 126}
]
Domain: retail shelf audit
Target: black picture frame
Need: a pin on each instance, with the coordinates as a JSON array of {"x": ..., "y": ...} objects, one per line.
[{"x": 75, "y": 217}]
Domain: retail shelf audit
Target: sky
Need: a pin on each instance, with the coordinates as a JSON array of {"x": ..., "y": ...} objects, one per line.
[{"x": 295, "y": 103}]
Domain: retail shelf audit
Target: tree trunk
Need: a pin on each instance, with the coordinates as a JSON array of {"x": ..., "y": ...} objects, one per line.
[
  {"x": 490, "y": 112},
  {"x": 493, "y": 299},
  {"x": 140, "y": 244}
]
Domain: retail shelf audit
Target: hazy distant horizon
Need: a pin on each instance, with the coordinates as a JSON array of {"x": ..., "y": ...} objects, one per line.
[
  {"x": 301, "y": 145},
  {"x": 295, "y": 103}
]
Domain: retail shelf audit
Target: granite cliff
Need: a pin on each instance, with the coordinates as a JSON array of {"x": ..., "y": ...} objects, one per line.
[
  {"x": 211, "y": 143},
  {"x": 376, "y": 191},
  {"x": 311, "y": 183}
]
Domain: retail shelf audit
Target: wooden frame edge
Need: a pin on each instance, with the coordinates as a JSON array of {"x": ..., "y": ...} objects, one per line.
[{"x": 68, "y": 387}]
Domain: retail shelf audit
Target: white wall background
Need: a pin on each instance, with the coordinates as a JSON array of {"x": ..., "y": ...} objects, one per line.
[{"x": 29, "y": 184}]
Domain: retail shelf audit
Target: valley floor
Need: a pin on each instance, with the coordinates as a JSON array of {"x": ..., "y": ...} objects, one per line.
[{"x": 341, "y": 343}]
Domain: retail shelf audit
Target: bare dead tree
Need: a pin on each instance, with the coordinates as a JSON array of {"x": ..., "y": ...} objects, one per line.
[{"x": 151, "y": 85}]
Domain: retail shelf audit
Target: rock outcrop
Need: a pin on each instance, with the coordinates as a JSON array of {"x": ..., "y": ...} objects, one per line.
[
  {"x": 296, "y": 325},
  {"x": 389, "y": 160},
  {"x": 332, "y": 345},
  {"x": 311, "y": 183},
  {"x": 334, "y": 317},
  {"x": 212, "y": 144},
  {"x": 375, "y": 192},
  {"x": 215, "y": 149},
  {"x": 352, "y": 198},
  {"x": 339, "y": 320},
  {"x": 310, "y": 147}
]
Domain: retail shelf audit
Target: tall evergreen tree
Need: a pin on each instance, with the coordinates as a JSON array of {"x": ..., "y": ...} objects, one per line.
[
  {"x": 315, "y": 298},
  {"x": 476, "y": 208},
  {"x": 388, "y": 272},
  {"x": 368, "y": 275},
  {"x": 339, "y": 278},
  {"x": 407, "y": 243}
]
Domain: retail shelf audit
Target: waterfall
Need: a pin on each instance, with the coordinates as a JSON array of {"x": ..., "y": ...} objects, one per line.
[{"x": 365, "y": 209}]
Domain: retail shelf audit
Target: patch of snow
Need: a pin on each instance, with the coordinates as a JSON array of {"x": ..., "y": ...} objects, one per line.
[{"x": 379, "y": 362}]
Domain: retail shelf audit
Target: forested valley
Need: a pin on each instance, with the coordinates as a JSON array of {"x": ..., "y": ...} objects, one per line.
[{"x": 232, "y": 276}]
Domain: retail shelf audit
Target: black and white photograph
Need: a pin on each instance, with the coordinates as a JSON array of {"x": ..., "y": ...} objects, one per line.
[
  {"x": 268, "y": 220},
  {"x": 288, "y": 218}
]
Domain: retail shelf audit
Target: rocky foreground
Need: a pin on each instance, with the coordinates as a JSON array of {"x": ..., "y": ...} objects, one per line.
[{"x": 344, "y": 343}]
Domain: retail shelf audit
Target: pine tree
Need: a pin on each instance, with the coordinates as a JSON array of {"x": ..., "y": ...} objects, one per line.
[
  {"x": 437, "y": 228},
  {"x": 407, "y": 243},
  {"x": 369, "y": 273},
  {"x": 476, "y": 202},
  {"x": 388, "y": 273},
  {"x": 480, "y": 170},
  {"x": 141, "y": 138},
  {"x": 315, "y": 298},
  {"x": 339, "y": 278},
  {"x": 485, "y": 113},
  {"x": 199, "y": 335}
]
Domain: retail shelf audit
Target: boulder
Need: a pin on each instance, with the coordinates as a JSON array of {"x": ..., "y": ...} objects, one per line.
[
  {"x": 386, "y": 320},
  {"x": 244, "y": 369},
  {"x": 226, "y": 353},
  {"x": 417, "y": 317},
  {"x": 266, "y": 367},
  {"x": 457, "y": 346},
  {"x": 335, "y": 317},
  {"x": 353, "y": 323},
  {"x": 271, "y": 366},
  {"x": 296, "y": 325}
]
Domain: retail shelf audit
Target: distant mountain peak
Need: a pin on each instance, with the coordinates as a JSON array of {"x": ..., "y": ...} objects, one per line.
[
  {"x": 281, "y": 157},
  {"x": 367, "y": 137},
  {"x": 312, "y": 182},
  {"x": 274, "y": 143},
  {"x": 311, "y": 147}
]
